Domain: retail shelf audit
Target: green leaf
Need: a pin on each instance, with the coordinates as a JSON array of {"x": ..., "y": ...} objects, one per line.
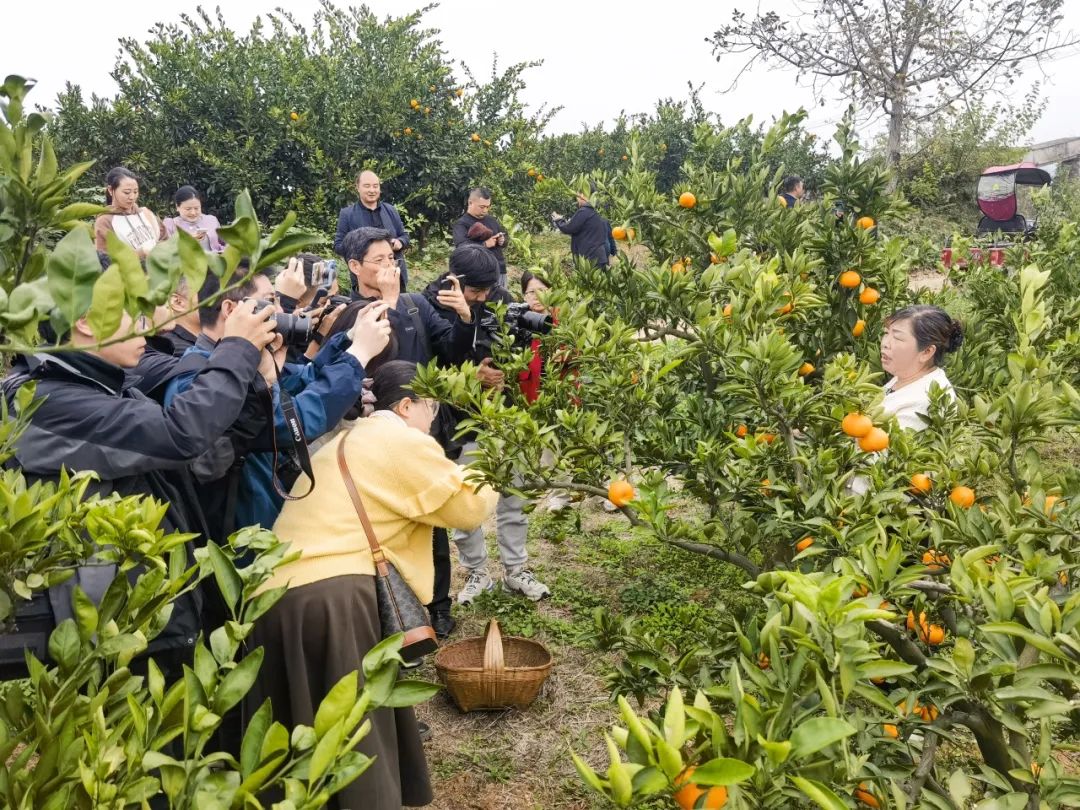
[
  {"x": 86, "y": 614},
  {"x": 325, "y": 751},
  {"x": 228, "y": 580},
  {"x": 124, "y": 256},
  {"x": 289, "y": 246},
  {"x": 817, "y": 733},
  {"x": 251, "y": 746},
  {"x": 337, "y": 703},
  {"x": 71, "y": 270},
  {"x": 106, "y": 304},
  {"x": 818, "y": 793},
  {"x": 77, "y": 211},
  {"x": 238, "y": 682},
  {"x": 262, "y": 603},
  {"x": 675, "y": 719},
  {"x": 242, "y": 234},
  {"x": 723, "y": 771},
  {"x": 884, "y": 669},
  {"x": 64, "y": 645},
  {"x": 1019, "y": 631},
  {"x": 587, "y": 774},
  {"x": 410, "y": 693}
]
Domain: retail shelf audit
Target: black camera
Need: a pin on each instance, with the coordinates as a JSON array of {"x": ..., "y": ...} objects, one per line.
[
  {"x": 295, "y": 330},
  {"x": 523, "y": 323}
]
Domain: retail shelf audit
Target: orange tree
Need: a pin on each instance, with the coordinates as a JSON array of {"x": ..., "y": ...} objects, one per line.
[
  {"x": 916, "y": 608},
  {"x": 292, "y": 111}
]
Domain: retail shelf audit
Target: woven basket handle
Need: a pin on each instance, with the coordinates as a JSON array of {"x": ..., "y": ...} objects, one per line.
[{"x": 493, "y": 662}]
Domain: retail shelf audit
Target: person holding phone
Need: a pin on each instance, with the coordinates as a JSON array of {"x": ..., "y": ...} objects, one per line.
[
  {"x": 190, "y": 217},
  {"x": 478, "y": 213}
]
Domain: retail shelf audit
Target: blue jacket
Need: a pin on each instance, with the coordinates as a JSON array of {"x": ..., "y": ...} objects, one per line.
[
  {"x": 322, "y": 392},
  {"x": 357, "y": 216}
]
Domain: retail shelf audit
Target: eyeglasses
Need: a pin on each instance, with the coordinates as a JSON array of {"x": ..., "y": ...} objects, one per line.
[
  {"x": 534, "y": 295},
  {"x": 386, "y": 261}
]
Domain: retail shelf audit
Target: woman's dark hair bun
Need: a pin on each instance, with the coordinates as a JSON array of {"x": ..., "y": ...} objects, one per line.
[{"x": 956, "y": 336}]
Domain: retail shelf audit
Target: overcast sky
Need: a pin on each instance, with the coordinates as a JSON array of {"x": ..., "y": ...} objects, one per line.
[{"x": 600, "y": 57}]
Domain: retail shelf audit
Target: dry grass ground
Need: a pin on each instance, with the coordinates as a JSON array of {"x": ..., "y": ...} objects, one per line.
[{"x": 520, "y": 759}]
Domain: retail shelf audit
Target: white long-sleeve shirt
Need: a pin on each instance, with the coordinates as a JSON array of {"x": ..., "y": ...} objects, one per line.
[{"x": 909, "y": 405}]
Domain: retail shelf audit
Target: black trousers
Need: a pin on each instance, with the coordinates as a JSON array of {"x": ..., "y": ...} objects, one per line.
[{"x": 441, "y": 551}]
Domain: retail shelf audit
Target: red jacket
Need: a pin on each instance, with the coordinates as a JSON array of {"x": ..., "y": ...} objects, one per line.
[{"x": 529, "y": 379}]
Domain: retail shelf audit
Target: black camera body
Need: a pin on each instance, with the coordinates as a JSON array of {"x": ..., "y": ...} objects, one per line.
[
  {"x": 294, "y": 329},
  {"x": 523, "y": 323}
]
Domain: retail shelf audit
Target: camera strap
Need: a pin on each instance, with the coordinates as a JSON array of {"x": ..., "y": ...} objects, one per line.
[{"x": 296, "y": 438}]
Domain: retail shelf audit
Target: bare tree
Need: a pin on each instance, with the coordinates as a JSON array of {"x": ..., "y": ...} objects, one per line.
[{"x": 909, "y": 58}]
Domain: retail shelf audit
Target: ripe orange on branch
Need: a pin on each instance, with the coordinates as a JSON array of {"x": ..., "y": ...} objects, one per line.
[
  {"x": 850, "y": 279},
  {"x": 621, "y": 492},
  {"x": 856, "y": 425},
  {"x": 804, "y": 544},
  {"x": 869, "y": 296},
  {"x": 689, "y": 795},
  {"x": 806, "y": 369},
  {"x": 874, "y": 441},
  {"x": 618, "y": 233},
  {"x": 964, "y": 497},
  {"x": 936, "y": 559},
  {"x": 921, "y": 483},
  {"x": 687, "y": 200},
  {"x": 858, "y": 328},
  {"x": 862, "y": 793},
  {"x": 866, "y": 223}
]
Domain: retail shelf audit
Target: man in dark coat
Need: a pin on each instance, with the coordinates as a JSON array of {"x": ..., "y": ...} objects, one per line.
[
  {"x": 421, "y": 333},
  {"x": 371, "y": 212},
  {"x": 590, "y": 233},
  {"x": 92, "y": 419},
  {"x": 478, "y": 210},
  {"x": 164, "y": 350}
]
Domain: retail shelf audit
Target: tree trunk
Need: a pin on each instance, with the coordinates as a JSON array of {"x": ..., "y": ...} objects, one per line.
[{"x": 897, "y": 116}]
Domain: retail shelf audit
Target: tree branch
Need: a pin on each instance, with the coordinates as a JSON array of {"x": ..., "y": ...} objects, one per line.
[
  {"x": 903, "y": 646},
  {"x": 926, "y": 764}
]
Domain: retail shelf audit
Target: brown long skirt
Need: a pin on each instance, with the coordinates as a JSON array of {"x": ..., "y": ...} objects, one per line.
[{"x": 313, "y": 637}]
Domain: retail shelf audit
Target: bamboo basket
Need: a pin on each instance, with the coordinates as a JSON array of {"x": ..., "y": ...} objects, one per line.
[{"x": 492, "y": 672}]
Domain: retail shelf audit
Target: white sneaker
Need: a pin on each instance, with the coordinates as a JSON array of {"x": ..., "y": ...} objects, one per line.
[
  {"x": 523, "y": 581},
  {"x": 476, "y": 583}
]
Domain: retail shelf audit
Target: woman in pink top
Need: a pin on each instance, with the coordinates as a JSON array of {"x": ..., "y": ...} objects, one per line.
[{"x": 190, "y": 218}]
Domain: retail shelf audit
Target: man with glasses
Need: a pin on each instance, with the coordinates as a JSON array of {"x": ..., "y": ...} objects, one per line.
[
  {"x": 372, "y": 212},
  {"x": 422, "y": 333},
  {"x": 478, "y": 210}
]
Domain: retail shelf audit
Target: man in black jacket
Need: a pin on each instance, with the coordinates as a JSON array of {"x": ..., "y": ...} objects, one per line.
[
  {"x": 421, "y": 332},
  {"x": 590, "y": 233},
  {"x": 164, "y": 350},
  {"x": 371, "y": 212},
  {"x": 478, "y": 211},
  {"x": 92, "y": 419}
]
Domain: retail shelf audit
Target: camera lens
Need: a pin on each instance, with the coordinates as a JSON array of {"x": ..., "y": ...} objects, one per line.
[{"x": 295, "y": 330}]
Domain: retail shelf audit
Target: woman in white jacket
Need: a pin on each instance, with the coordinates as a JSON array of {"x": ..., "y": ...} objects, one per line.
[{"x": 913, "y": 348}]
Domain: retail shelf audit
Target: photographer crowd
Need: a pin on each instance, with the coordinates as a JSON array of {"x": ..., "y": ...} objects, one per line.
[{"x": 245, "y": 401}]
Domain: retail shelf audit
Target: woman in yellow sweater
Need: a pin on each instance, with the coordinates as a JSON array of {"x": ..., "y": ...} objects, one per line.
[{"x": 328, "y": 619}]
